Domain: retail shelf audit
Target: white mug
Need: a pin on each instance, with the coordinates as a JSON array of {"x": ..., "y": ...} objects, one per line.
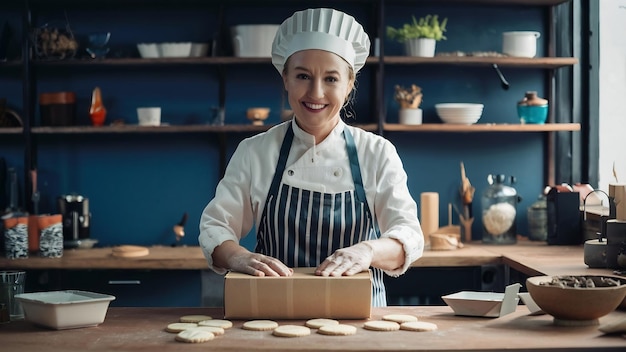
[
  {"x": 520, "y": 44},
  {"x": 253, "y": 40},
  {"x": 150, "y": 116}
]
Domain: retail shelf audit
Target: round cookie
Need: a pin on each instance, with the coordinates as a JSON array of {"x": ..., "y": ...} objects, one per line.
[
  {"x": 418, "y": 326},
  {"x": 381, "y": 325},
  {"x": 224, "y": 324},
  {"x": 178, "y": 327},
  {"x": 260, "y": 325},
  {"x": 194, "y": 318},
  {"x": 214, "y": 329},
  {"x": 319, "y": 322},
  {"x": 291, "y": 331},
  {"x": 400, "y": 318},
  {"x": 337, "y": 330},
  {"x": 194, "y": 336}
]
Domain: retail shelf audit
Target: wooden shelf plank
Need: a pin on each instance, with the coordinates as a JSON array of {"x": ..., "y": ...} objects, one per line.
[
  {"x": 148, "y": 129},
  {"x": 11, "y": 130},
  {"x": 430, "y": 127},
  {"x": 541, "y": 62},
  {"x": 480, "y": 127}
]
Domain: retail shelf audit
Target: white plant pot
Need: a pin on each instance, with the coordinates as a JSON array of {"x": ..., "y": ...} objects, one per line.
[
  {"x": 410, "y": 116},
  {"x": 422, "y": 47}
]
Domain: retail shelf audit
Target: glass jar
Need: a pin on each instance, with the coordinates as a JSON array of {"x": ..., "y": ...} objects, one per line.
[
  {"x": 538, "y": 220},
  {"x": 499, "y": 211}
]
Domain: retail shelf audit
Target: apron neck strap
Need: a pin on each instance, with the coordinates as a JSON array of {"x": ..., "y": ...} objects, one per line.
[
  {"x": 282, "y": 160},
  {"x": 355, "y": 167}
]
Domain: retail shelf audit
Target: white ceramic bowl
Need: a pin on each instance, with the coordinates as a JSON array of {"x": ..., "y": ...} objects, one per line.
[
  {"x": 459, "y": 113},
  {"x": 175, "y": 49},
  {"x": 199, "y": 49},
  {"x": 148, "y": 50},
  {"x": 65, "y": 309}
]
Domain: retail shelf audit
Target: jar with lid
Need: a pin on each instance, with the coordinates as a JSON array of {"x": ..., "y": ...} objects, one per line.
[
  {"x": 499, "y": 211},
  {"x": 538, "y": 220},
  {"x": 532, "y": 109}
]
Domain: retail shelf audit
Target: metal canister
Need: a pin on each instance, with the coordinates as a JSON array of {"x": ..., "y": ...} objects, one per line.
[{"x": 538, "y": 220}]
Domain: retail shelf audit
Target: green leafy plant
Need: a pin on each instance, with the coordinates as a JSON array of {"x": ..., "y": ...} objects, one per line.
[{"x": 426, "y": 27}]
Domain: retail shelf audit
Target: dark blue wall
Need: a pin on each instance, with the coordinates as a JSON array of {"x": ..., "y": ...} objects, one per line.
[{"x": 140, "y": 185}]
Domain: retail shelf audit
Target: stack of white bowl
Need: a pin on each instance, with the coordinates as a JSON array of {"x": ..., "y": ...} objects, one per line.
[
  {"x": 459, "y": 113},
  {"x": 172, "y": 49}
]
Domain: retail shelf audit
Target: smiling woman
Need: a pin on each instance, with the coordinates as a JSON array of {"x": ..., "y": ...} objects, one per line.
[{"x": 338, "y": 199}]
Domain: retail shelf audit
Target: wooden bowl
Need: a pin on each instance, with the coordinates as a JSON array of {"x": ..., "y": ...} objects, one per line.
[
  {"x": 258, "y": 115},
  {"x": 576, "y": 305}
]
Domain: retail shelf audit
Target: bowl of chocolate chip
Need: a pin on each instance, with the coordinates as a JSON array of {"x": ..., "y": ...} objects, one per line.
[{"x": 577, "y": 300}]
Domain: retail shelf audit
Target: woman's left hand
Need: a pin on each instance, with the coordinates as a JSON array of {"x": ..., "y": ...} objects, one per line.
[{"x": 347, "y": 261}]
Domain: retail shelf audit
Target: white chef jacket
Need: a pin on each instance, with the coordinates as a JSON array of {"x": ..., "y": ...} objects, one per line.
[{"x": 241, "y": 194}]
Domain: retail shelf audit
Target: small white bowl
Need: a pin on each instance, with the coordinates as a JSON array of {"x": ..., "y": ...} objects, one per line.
[
  {"x": 175, "y": 49},
  {"x": 459, "y": 113},
  {"x": 148, "y": 50}
]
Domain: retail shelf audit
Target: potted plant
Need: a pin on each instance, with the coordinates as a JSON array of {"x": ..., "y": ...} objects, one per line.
[
  {"x": 420, "y": 36},
  {"x": 409, "y": 100}
]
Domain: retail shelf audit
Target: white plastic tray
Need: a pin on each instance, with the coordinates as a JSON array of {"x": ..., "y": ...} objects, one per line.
[{"x": 65, "y": 309}]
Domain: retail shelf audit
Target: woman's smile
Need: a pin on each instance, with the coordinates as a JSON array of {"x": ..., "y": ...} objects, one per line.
[{"x": 311, "y": 106}]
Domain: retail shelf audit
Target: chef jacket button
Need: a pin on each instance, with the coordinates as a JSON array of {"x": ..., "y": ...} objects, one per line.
[
  {"x": 337, "y": 172},
  {"x": 290, "y": 172}
]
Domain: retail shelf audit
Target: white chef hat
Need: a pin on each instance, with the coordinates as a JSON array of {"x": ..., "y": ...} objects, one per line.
[{"x": 324, "y": 29}]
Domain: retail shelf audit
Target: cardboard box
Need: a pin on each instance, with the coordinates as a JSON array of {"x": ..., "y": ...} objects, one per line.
[{"x": 301, "y": 296}]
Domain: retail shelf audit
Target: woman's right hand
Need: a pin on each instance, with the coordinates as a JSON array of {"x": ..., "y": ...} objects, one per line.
[
  {"x": 258, "y": 265},
  {"x": 232, "y": 256}
]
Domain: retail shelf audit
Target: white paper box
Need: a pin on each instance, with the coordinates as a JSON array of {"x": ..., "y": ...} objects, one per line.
[{"x": 484, "y": 304}]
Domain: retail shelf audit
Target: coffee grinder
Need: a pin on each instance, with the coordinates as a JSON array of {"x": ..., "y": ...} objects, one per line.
[{"x": 76, "y": 219}]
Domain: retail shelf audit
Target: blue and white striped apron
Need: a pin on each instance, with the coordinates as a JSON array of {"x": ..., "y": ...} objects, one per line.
[{"x": 301, "y": 227}]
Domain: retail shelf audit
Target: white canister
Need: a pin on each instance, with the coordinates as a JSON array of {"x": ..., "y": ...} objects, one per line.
[
  {"x": 149, "y": 116},
  {"x": 520, "y": 43}
]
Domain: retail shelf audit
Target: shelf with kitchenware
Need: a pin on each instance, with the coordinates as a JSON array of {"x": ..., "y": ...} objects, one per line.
[
  {"x": 503, "y": 61},
  {"x": 482, "y": 127},
  {"x": 245, "y": 128}
]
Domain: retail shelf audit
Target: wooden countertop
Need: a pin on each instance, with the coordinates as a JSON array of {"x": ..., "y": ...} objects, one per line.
[
  {"x": 191, "y": 258},
  {"x": 160, "y": 257},
  {"x": 530, "y": 258},
  {"x": 142, "y": 329}
]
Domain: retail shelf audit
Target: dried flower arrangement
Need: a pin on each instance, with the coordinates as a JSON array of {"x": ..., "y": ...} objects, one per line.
[{"x": 408, "y": 99}]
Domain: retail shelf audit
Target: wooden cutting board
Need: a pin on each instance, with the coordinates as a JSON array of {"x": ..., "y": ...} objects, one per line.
[{"x": 130, "y": 251}]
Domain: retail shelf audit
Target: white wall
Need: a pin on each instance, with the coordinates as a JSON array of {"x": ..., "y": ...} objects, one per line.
[{"x": 612, "y": 92}]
